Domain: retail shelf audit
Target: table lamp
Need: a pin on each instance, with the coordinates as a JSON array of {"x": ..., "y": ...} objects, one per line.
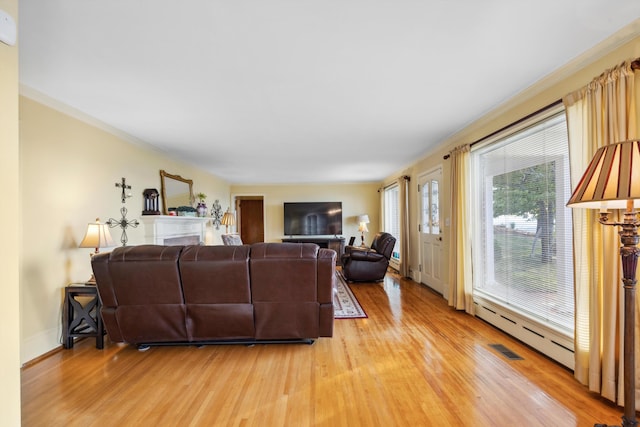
[
  {"x": 228, "y": 219},
  {"x": 363, "y": 220},
  {"x": 612, "y": 180},
  {"x": 97, "y": 236}
]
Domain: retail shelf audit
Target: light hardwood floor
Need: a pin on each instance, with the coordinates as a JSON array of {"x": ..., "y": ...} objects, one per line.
[{"x": 413, "y": 362}]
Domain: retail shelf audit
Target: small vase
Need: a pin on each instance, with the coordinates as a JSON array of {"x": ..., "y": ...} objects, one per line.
[{"x": 202, "y": 209}]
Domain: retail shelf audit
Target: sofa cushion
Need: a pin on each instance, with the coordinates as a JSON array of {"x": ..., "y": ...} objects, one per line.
[
  {"x": 287, "y": 320},
  {"x": 148, "y": 323},
  {"x": 146, "y": 274},
  {"x": 284, "y": 272},
  {"x": 141, "y": 293},
  {"x": 220, "y": 321},
  {"x": 217, "y": 292},
  {"x": 215, "y": 274},
  {"x": 284, "y": 289}
]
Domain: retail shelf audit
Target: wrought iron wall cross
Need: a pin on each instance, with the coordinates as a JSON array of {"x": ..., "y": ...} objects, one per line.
[
  {"x": 123, "y": 222},
  {"x": 124, "y": 187}
]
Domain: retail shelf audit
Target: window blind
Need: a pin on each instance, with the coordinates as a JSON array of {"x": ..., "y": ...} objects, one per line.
[{"x": 523, "y": 228}]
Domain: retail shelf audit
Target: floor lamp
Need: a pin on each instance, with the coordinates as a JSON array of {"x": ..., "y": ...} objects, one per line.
[{"x": 612, "y": 180}]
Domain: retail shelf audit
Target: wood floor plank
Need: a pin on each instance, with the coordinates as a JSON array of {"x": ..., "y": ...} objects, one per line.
[{"x": 413, "y": 361}]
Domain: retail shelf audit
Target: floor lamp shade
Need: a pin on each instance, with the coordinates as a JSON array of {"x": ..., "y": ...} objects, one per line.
[{"x": 612, "y": 180}]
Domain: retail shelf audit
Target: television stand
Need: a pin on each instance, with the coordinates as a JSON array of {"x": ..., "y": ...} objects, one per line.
[{"x": 335, "y": 243}]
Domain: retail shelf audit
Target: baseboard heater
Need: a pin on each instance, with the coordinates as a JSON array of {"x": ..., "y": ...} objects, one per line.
[{"x": 547, "y": 341}]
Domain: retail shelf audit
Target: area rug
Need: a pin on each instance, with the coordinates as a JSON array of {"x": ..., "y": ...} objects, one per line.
[{"x": 345, "y": 304}]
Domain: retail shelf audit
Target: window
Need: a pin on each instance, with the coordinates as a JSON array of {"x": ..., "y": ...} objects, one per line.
[
  {"x": 392, "y": 216},
  {"x": 523, "y": 229},
  {"x": 431, "y": 207}
]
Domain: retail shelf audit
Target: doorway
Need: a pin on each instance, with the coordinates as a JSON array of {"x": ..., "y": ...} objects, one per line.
[
  {"x": 250, "y": 217},
  {"x": 431, "y": 230}
]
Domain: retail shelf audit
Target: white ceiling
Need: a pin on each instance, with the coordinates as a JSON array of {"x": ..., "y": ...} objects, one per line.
[{"x": 286, "y": 91}]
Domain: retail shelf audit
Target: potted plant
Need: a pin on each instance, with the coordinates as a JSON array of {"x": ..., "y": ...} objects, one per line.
[{"x": 202, "y": 207}]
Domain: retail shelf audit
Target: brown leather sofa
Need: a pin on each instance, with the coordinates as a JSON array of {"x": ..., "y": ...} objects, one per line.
[
  {"x": 198, "y": 294},
  {"x": 368, "y": 264}
]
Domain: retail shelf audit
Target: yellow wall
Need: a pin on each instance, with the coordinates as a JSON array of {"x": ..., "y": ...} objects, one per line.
[
  {"x": 356, "y": 199},
  {"x": 10, "y": 220},
  {"x": 574, "y": 75},
  {"x": 68, "y": 171}
]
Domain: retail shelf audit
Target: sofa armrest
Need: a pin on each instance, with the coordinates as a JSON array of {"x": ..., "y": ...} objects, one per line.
[
  {"x": 326, "y": 275},
  {"x": 349, "y": 249},
  {"x": 100, "y": 267},
  {"x": 368, "y": 255}
]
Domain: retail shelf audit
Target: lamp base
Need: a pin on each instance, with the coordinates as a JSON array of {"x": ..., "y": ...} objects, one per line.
[
  {"x": 625, "y": 423},
  {"x": 629, "y": 253}
]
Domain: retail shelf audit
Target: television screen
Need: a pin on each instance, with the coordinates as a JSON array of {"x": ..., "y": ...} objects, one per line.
[{"x": 312, "y": 218}]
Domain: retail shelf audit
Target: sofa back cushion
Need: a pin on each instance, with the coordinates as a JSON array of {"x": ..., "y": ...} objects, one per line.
[
  {"x": 141, "y": 293},
  {"x": 284, "y": 290},
  {"x": 383, "y": 243},
  {"x": 278, "y": 271},
  {"x": 217, "y": 292},
  {"x": 215, "y": 274},
  {"x": 146, "y": 274}
]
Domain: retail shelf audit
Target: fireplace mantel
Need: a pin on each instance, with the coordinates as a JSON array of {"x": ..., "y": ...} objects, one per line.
[{"x": 174, "y": 230}]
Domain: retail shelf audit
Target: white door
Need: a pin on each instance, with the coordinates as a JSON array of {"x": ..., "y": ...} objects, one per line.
[{"x": 431, "y": 231}]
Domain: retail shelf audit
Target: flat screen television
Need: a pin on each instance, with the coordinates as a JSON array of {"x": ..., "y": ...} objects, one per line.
[{"x": 312, "y": 218}]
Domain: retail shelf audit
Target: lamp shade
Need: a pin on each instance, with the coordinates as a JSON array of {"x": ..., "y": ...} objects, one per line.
[
  {"x": 364, "y": 218},
  {"x": 228, "y": 219},
  {"x": 612, "y": 178},
  {"x": 97, "y": 236}
]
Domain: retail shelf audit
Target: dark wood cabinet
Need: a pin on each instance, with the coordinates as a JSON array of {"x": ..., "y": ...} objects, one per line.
[{"x": 335, "y": 243}]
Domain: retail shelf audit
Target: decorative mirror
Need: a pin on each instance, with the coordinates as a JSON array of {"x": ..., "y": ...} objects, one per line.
[{"x": 176, "y": 191}]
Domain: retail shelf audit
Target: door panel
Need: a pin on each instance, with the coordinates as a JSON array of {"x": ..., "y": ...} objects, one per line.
[
  {"x": 427, "y": 258},
  {"x": 431, "y": 231},
  {"x": 251, "y": 213}
]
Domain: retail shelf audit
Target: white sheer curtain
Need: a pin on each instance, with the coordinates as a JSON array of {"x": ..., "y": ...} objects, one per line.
[
  {"x": 460, "y": 273},
  {"x": 402, "y": 184},
  {"x": 601, "y": 113}
]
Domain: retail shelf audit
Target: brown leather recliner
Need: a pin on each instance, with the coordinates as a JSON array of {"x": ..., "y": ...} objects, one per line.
[{"x": 368, "y": 264}]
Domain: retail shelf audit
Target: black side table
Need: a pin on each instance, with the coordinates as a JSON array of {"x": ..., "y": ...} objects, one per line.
[{"x": 81, "y": 320}]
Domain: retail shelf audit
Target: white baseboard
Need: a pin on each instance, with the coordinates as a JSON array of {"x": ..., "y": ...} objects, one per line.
[
  {"x": 548, "y": 341},
  {"x": 39, "y": 344}
]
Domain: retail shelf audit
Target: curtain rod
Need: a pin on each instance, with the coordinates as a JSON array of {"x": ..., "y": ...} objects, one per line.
[
  {"x": 527, "y": 117},
  {"x": 384, "y": 187},
  {"x": 635, "y": 65}
]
